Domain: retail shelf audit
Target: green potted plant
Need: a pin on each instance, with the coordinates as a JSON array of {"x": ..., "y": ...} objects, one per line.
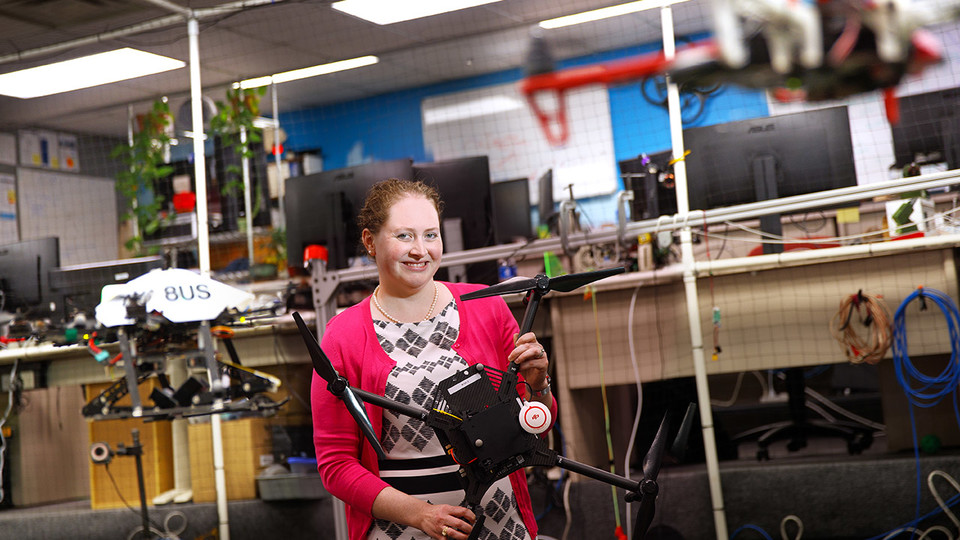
[
  {"x": 144, "y": 165},
  {"x": 237, "y": 114}
]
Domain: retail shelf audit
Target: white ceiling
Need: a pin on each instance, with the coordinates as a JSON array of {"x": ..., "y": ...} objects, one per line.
[{"x": 286, "y": 35}]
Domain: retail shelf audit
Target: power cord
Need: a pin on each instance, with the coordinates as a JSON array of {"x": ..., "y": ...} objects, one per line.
[
  {"x": 606, "y": 410},
  {"x": 920, "y": 389},
  {"x": 872, "y": 314},
  {"x": 636, "y": 418},
  {"x": 166, "y": 532}
]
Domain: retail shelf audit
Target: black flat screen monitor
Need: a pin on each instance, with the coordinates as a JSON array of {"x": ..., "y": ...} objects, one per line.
[
  {"x": 769, "y": 158},
  {"x": 322, "y": 209},
  {"x": 511, "y": 210},
  {"x": 464, "y": 186},
  {"x": 25, "y": 274},
  {"x": 928, "y": 130},
  {"x": 546, "y": 209},
  {"x": 79, "y": 287}
]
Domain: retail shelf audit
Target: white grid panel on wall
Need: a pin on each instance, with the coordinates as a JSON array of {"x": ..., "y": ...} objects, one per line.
[{"x": 80, "y": 210}]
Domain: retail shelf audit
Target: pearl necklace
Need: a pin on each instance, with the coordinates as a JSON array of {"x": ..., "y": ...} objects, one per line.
[{"x": 433, "y": 304}]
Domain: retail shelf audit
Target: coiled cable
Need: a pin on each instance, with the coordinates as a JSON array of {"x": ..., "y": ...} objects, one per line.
[
  {"x": 921, "y": 389},
  {"x": 874, "y": 315}
]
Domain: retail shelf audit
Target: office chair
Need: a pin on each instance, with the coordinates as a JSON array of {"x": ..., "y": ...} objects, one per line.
[{"x": 799, "y": 427}]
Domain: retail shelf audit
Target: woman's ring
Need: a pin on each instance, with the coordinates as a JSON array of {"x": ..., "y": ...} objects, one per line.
[
  {"x": 443, "y": 531},
  {"x": 541, "y": 353}
]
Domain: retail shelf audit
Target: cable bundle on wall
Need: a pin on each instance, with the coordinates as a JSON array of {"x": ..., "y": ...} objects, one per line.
[
  {"x": 921, "y": 389},
  {"x": 873, "y": 314}
]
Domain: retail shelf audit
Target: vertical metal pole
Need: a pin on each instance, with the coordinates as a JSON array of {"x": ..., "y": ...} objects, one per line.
[
  {"x": 281, "y": 188},
  {"x": 324, "y": 305},
  {"x": 133, "y": 203},
  {"x": 247, "y": 202},
  {"x": 199, "y": 158},
  {"x": 138, "y": 455},
  {"x": 203, "y": 249},
  {"x": 690, "y": 286},
  {"x": 129, "y": 351}
]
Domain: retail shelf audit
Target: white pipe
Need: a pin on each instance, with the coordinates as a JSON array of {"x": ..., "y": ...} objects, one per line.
[
  {"x": 154, "y": 24},
  {"x": 203, "y": 249},
  {"x": 824, "y": 255},
  {"x": 133, "y": 202},
  {"x": 690, "y": 287},
  {"x": 247, "y": 202},
  {"x": 281, "y": 186},
  {"x": 219, "y": 477},
  {"x": 199, "y": 158}
]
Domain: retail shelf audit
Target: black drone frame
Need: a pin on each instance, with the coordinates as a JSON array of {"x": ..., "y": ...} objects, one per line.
[{"x": 475, "y": 414}]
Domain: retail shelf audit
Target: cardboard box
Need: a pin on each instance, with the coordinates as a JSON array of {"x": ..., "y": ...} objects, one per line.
[
  {"x": 246, "y": 451},
  {"x": 157, "y": 442}
]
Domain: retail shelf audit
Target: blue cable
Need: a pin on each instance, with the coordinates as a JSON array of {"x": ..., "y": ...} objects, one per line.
[
  {"x": 949, "y": 503},
  {"x": 751, "y": 528},
  {"x": 923, "y": 390}
]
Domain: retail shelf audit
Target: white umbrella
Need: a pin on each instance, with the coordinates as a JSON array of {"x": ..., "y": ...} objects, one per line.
[{"x": 178, "y": 294}]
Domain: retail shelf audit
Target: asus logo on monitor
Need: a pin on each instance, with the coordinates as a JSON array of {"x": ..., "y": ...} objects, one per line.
[{"x": 761, "y": 129}]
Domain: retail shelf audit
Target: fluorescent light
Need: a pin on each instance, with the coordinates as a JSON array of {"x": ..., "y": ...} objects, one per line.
[
  {"x": 304, "y": 73},
  {"x": 607, "y": 12},
  {"x": 391, "y": 11},
  {"x": 471, "y": 109},
  {"x": 93, "y": 70}
]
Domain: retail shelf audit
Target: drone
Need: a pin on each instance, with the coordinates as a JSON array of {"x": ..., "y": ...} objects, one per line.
[
  {"x": 804, "y": 51},
  {"x": 476, "y": 414},
  {"x": 174, "y": 314}
]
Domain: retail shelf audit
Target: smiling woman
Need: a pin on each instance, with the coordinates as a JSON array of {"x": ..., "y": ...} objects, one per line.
[{"x": 409, "y": 335}]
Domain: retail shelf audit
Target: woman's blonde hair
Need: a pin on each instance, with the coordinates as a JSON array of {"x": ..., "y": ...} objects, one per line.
[{"x": 383, "y": 195}]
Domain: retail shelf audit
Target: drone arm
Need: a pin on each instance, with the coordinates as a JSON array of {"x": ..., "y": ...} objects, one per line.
[
  {"x": 389, "y": 404},
  {"x": 598, "y": 474}
]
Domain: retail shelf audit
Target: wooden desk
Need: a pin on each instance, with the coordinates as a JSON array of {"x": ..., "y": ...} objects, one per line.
[{"x": 770, "y": 319}]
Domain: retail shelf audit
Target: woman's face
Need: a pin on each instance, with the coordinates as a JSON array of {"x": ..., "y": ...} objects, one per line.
[{"x": 408, "y": 246}]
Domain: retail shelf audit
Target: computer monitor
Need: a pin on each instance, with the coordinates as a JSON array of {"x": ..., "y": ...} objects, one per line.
[
  {"x": 511, "y": 210},
  {"x": 768, "y": 158},
  {"x": 322, "y": 209},
  {"x": 79, "y": 287},
  {"x": 25, "y": 274},
  {"x": 546, "y": 209},
  {"x": 929, "y": 129},
  {"x": 464, "y": 186}
]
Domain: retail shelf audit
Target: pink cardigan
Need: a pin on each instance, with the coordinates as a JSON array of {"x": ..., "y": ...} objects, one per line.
[{"x": 486, "y": 336}]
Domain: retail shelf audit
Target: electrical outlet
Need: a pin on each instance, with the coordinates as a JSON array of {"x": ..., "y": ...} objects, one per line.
[{"x": 28, "y": 377}]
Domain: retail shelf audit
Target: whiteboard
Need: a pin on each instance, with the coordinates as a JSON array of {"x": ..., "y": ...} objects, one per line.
[
  {"x": 496, "y": 121},
  {"x": 80, "y": 210}
]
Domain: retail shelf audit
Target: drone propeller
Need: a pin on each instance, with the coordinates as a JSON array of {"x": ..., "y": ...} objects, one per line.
[
  {"x": 338, "y": 385},
  {"x": 649, "y": 488},
  {"x": 536, "y": 288},
  {"x": 541, "y": 283}
]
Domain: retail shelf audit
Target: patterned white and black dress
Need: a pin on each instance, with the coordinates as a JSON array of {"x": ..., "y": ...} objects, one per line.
[{"x": 416, "y": 463}]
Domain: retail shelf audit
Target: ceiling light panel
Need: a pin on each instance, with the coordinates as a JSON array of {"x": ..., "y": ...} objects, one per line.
[
  {"x": 85, "y": 72},
  {"x": 393, "y": 11}
]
